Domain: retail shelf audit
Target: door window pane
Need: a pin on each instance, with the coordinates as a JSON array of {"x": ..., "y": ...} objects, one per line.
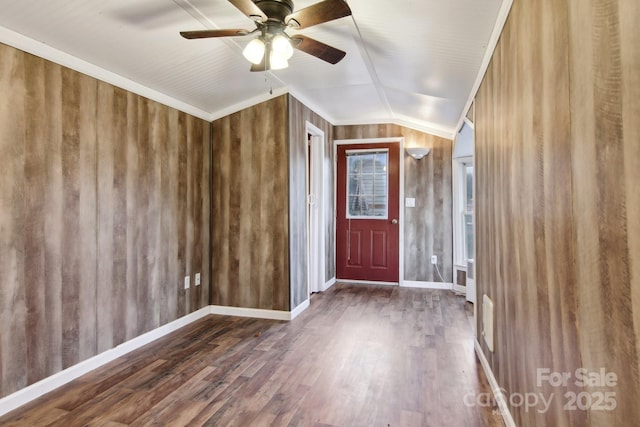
[{"x": 367, "y": 185}]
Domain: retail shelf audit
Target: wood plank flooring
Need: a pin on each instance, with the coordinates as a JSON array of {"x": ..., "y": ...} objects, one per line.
[{"x": 359, "y": 356}]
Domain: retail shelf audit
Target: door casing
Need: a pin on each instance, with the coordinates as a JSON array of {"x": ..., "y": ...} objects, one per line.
[{"x": 315, "y": 214}]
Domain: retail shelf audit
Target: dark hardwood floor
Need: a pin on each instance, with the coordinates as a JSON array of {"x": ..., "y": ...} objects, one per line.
[{"x": 359, "y": 356}]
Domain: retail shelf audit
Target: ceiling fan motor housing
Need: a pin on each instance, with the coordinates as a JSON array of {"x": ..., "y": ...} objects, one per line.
[{"x": 276, "y": 10}]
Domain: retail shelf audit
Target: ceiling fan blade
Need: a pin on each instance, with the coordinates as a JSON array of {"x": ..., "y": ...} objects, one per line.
[
  {"x": 249, "y": 8},
  {"x": 318, "y": 49},
  {"x": 204, "y": 34},
  {"x": 325, "y": 11}
]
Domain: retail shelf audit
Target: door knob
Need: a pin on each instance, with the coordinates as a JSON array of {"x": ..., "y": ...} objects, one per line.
[{"x": 394, "y": 221}]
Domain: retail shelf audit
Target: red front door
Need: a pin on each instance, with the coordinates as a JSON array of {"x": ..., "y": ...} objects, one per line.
[{"x": 367, "y": 229}]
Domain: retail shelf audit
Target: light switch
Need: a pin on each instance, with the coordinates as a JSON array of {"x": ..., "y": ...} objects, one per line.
[
  {"x": 410, "y": 202},
  {"x": 197, "y": 279},
  {"x": 187, "y": 282}
]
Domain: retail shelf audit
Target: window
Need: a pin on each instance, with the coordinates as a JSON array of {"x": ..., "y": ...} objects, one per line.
[
  {"x": 463, "y": 210},
  {"x": 367, "y": 184},
  {"x": 468, "y": 211}
]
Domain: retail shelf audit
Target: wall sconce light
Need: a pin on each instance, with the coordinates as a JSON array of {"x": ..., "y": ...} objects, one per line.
[{"x": 417, "y": 152}]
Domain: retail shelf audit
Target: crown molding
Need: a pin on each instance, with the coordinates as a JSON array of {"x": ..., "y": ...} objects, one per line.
[
  {"x": 503, "y": 14},
  {"x": 247, "y": 103},
  {"x": 312, "y": 106},
  {"x": 47, "y": 52},
  {"x": 34, "y": 47},
  {"x": 404, "y": 122}
]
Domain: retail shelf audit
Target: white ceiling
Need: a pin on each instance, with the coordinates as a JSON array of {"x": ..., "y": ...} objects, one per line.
[{"x": 412, "y": 62}]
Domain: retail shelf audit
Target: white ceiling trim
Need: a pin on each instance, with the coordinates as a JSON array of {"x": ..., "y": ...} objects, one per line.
[
  {"x": 47, "y": 52},
  {"x": 372, "y": 70},
  {"x": 468, "y": 122},
  {"x": 410, "y": 124},
  {"x": 134, "y": 44},
  {"x": 248, "y": 103},
  {"x": 312, "y": 106},
  {"x": 503, "y": 14},
  {"x": 426, "y": 128},
  {"x": 396, "y": 120}
]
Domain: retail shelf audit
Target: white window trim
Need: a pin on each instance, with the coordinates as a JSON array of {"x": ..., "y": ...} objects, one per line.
[{"x": 458, "y": 210}]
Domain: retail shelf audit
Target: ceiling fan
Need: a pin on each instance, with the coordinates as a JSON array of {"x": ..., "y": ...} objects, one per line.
[{"x": 273, "y": 47}]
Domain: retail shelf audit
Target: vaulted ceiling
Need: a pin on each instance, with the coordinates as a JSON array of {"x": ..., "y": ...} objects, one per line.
[{"x": 411, "y": 62}]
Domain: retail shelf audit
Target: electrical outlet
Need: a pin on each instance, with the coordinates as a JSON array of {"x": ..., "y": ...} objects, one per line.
[
  {"x": 187, "y": 282},
  {"x": 197, "y": 279},
  {"x": 434, "y": 259}
]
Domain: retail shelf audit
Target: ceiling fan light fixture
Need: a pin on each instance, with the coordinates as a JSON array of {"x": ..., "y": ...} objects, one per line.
[
  {"x": 273, "y": 47},
  {"x": 277, "y": 61},
  {"x": 282, "y": 46},
  {"x": 254, "y": 52}
]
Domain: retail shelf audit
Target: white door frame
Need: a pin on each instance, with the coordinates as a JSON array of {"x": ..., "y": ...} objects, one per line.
[
  {"x": 316, "y": 254},
  {"x": 400, "y": 141}
]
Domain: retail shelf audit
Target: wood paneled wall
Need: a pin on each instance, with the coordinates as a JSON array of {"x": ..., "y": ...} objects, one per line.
[
  {"x": 428, "y": 227},
  {"x": 251, "y": 208},
  {"x": 104, "y": 208},
  {"x": 557, "y": 204},
  {"x": 299, "y": 115}
]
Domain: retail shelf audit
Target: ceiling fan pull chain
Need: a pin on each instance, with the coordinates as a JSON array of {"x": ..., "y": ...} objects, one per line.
[{"x": 268, "y": 82}]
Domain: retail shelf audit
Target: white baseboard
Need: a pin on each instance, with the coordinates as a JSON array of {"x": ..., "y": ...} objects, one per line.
[
  {"x": 258, "y": 313},
  {"x": 329, "y": 284},
  {"x": 299, "y": 309},
  {"x": 367, "y": 282},
  {"x": 32, "y": 392},
  {"x": 427, "y": 285},
  {"x": 498, "y": 395}
]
